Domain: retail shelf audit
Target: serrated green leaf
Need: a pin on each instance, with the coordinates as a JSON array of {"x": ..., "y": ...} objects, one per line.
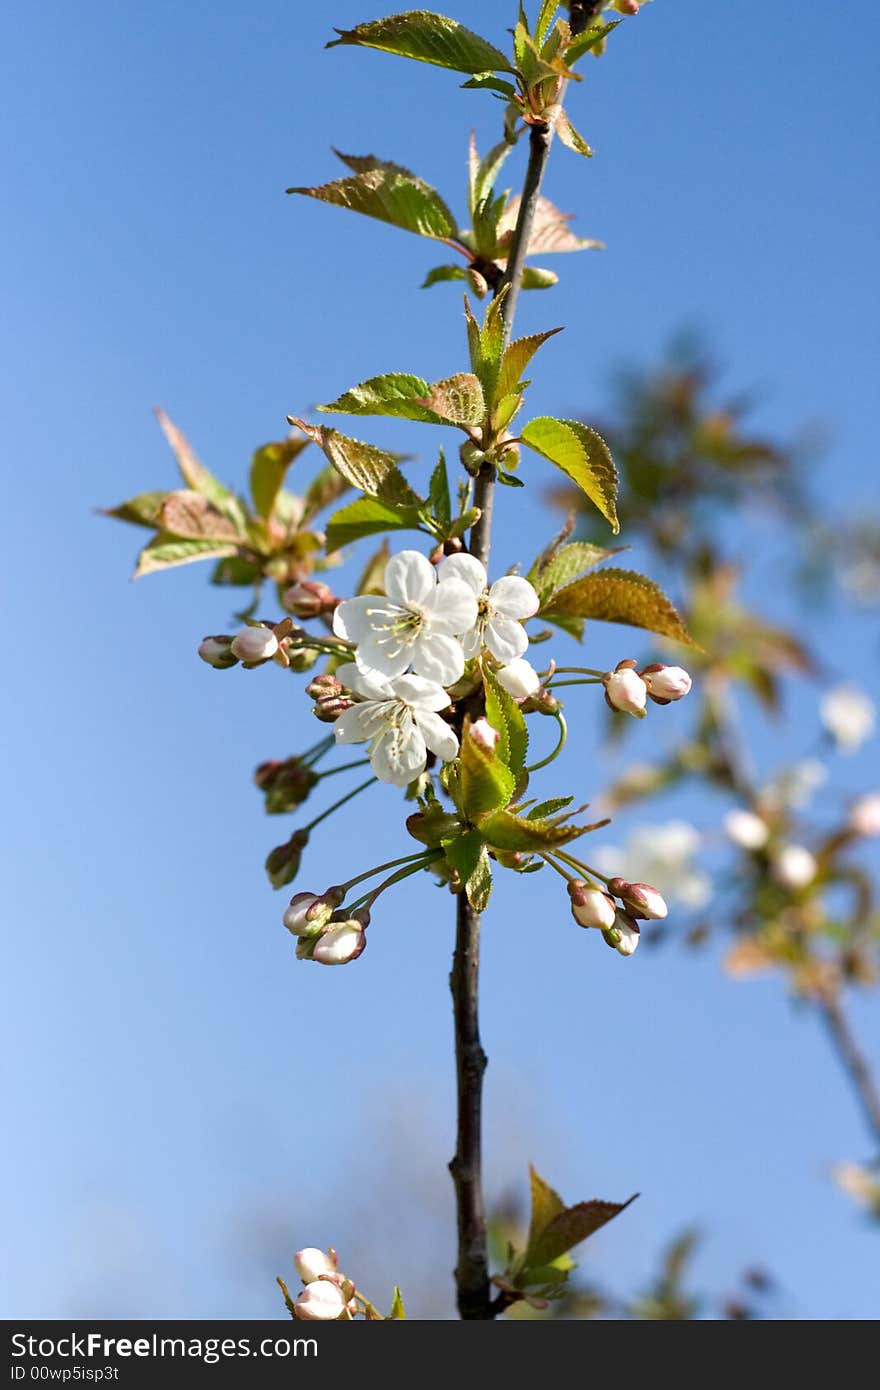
[
  {"x": 467, "y": 855},
  {"x": 441, "y": 273},
  {"x": 588, "y": 40},
  {"x": 549, "y": 808},
  {"x": 485, "y": 783},
  {"x": 565, "y": 565},
  {"x": 438, "y": 496},
  {"x": 142, "y": 510},
  {"x": 428, "y": 38},
  {"x": 194, "y": 473},
  {"x": 398, "y": 1312},
  {"x": 190, "y": 516},
  {"x": 505, "y": 715},
  {"x": 546, "y": 1206},
  {"x": 456, "y": 401},
  {"x": 569, "y": 1227},
  {"x": 372, "y": 470},
  {"x": 269, "y": 467},
  {"x": 621, "y": 596},
  {"x": 517, "y": 357},
  {"x": 486, "y": 345},
  {"x": 504, "y": 830},
  {"x": 487, "y": 82},
  {"x": 571, "y": 137},
  {"x": 389, "y": 193},
  {"x": 433, "y": 826},
  {"x": 368, "y": 516},
  {"x": 396, "y": 394},
  {"x": 165, "y": 552},
  {"x": 582, "y": 455},
  {"x": 545, "y": 19},
  {"x": 507, "y": 409},
  {"x": 485, "y": 173}
]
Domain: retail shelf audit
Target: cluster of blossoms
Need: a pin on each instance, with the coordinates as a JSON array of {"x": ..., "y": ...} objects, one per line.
[
  {"x": 323, "y": 933},
  {"x": 327, "y": 1295},
  {"x": 628, "y": 690},
  {"x": 592, "y": 906}
]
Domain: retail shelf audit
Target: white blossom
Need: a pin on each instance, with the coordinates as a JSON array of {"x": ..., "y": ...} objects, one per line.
[
  {"x": 849, "y": 715},
  {"x": 312, "y": 1263},
  {"x": 415, "y": 623},
  {"x": 502, "y": 608},
  {"x": 341, "y": 943},
  {"x": 666, "y": 683},
  {"x": 661, "y": 855},
  {"x": 746, "y": 829},
  {"x": 795, "y": 785},
  {"x": 794, "y": 867},
  {"x": 254, "y": 644},
  {"x": 519, "y": 678},
  {"x": 590, "y": 907},
  {"x": 399, "y": 720},
  {"x": 864, "y": 816},
  {"x": 626, "y": 691},
  {"x": 320, "y": 1301}
]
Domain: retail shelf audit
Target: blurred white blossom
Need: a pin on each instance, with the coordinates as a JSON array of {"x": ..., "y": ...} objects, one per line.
[
  {"x": 662, "y": 855},
  {"x": 794, "y": 786},
  {"x": 849, "y": 715}
]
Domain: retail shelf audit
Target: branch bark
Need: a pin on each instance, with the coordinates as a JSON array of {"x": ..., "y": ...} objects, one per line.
[{"x": 854, "y": 1062}]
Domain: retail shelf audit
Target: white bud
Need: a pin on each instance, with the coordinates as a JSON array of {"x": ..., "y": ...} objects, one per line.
[
  {"x": 217, "y": 652},
  {"x": 626, "y": 691},
  {"x": 484, "y": 735},
  {"x": 624, "y": 935},
  {"x": 320, "y": 1301},
  {"x": 307, "y": 914},
  {"x": 746, "y": 829},
  {"x": 312, "y": 1263},
  {"x": 644, "y": 901},
  {"x": 864, "y": 818},
  {"x": 340, "y": 944},
  {"x": 590, "y": 907},
  {"x": 519, "y": 678},
  {"x": 666, "y": 682},
  {"x": 254, "y": 644},
  {"x": 794, "y": 867}
]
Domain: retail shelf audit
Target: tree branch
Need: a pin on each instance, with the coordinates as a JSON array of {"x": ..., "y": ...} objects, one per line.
[{"x": 854, "y": 1061}]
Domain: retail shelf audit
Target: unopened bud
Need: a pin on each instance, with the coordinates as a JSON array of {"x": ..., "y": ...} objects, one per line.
[
  {"x": 341, "y": 944},
  {"x": 794, "y": 867},
  {"x": 484, "y": 735},
  {"x": 625, "y": 691},
  {"x": 217, "y": 652},
  {"x": 282, "y": 863},
  {"x": 330, "y": 702},
  {"x": 746, "y": 829},
  {"x": 254, "y": 644},
  {"x": 471, "y": 457},
  {"x": 285, "y": 783},
  {"x": 319, "y": 687},
  {"x": 624, "y": 935},
  {"x": 320, "y": 1301},
  {"x": 589, "y": 906},
  {"x": 519, "y": 678},
  {"x": 864, "y": 817},
  {"x": 665, "y": 683},
  {"x": 308, "y": 913},
  {"x": 640, "y": 898},
  {"x": 309, "y": 599},
  {"x": 626, "y": 6},
  {"x": 311, "y": 1264}
]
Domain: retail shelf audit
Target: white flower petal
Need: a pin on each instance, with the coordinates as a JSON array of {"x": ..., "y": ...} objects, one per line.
[
  {"x": 514, "y": 597},
  {"x": 399, "y": 754},
  {"x": 519, "y": 678},
  {"x": 369, "y": 683},
  {"x": 451, "y": 608},
  {"x": 505, "y": 639},
  {"x": 384, "y": 654},
  {"x": 438, "y": 658},
  {"x": 437, "y": 734},
  {"x": 419, "y": 693},
  {"x": 409, "y": 578},
  {"x": 472, "y": 642},
  {"x": 351, "y": 621},
  {"x": 466, "y": 568},
  {"x": 360, "y": 723}
]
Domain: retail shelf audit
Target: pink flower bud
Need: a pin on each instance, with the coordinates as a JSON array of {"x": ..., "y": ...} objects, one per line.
[
  {"x": 320, "y": 1301},
  {"x": 794, "y": 867},
  {"x": 311, "y": 1264},
  {"x": 309, "y": 599},
  {"x": 624, "y": 935},
  {"x": 864, "y": 817},
  {"x": 253, "y": 644},
  {"x": 640, "y": 898},
  {"x": 666, "y": 683},
  {"x": 519, "y": 679},
  {"x": 217, "y": 652},
  {"x": 340, "y": 944},
  {"x": 590, "y": 907},
  {"x": 307, "y": 914},
  {"x": 484, "y": 735},
  {"x": 625, "y": 691}
]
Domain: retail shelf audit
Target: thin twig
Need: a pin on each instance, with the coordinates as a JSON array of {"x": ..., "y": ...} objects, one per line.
[{"x": 854, "y": 1061}]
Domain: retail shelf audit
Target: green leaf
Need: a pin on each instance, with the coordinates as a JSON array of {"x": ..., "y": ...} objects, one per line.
[
  {"x": 546, "y": 1206},
  {"x": 505, "y": 830},
  {"x": 621, "y": 596},
  {"x": 269, "y": 467},
  {"x": 428, "y": 38},
  {"x": 549, "y": 808},
  {"x": 588, "y": 40},
  {"x": 485, "y": 171},
  {"x": 165, "y": 551},
  {"x": 517, "y": 357},
  {"x": 142, "y": 510},
  {"x": 485, "y": 782},
  {"x": 545, "y": 19},
  {"x": 505, "y": 715},
  {"x": 535, "y": 278},
  {"x": 389, "y": 193},
  {"x": 467, "y": 855},
  {"x": 368, "y": 516},
  {"x": 457, "y": 401},
  {"x": 326, "y": 487},
  {"x": 372, "y": 470},
  {"x": 443, "y": 272},
  {"x": 397, "y": 394},
  {"x": 580, "y": 453},
  {"x": 235, "y": 570},
  {"x": 487, "y": 82},
  {"x": 194, "y": 473},
  {"x": 192, "y": 517},
  {"x": 433, "y": 826},
  {"x": 398, "y": 1312},
  {"x": 570, "y": 137},
  {"x": 569, "y": 1227},
  {"x": 438, "y": 496},
  {"x": 565, "y": 565},
  {"x": 486, "y": 345}
]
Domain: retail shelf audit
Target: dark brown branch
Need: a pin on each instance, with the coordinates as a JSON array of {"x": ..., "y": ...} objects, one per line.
[{"x": 854, "y": 1062}]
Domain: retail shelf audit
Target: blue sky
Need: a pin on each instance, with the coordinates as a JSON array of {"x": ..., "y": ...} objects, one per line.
[{"x": 187, "y": 1102}]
